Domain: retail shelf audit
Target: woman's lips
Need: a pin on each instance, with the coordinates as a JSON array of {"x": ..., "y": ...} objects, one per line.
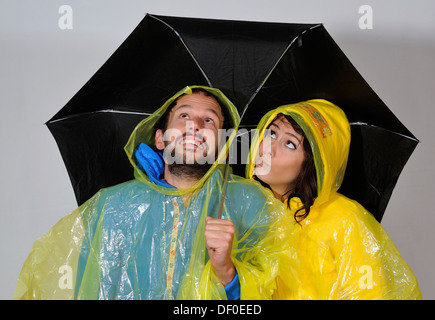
[
  {"x": 259, "y": 162},
  {"x": 261, "y": 167}
]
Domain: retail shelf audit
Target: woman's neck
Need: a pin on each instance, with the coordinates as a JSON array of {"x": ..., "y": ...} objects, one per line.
[{"x": 280, "y": 193}]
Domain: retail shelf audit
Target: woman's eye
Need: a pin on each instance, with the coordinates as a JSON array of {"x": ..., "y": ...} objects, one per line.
[
  {"x": 290, "y": 145},
  {"x": 269, "y": 133},
  {"x": 184, "y": 115},
  {"x": 209, "y": 120}
]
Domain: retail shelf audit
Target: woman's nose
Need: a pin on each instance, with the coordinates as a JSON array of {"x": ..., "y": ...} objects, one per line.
[{"x": 267, "y": 147}]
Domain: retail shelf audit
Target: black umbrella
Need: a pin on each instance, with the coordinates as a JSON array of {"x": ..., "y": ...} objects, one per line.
[{"x": 259, "y": 66}]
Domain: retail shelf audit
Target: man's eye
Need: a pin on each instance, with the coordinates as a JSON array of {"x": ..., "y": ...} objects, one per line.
[
  {"x": 184, "y": 115},
  {"x": 209, "y": 120}
]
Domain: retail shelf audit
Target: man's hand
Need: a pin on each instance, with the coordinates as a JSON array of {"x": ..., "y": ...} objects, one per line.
[{"x": 219, "y": 236}]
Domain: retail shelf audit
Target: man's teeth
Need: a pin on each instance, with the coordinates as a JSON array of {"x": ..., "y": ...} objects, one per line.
[{"x": 194, "y": 142}]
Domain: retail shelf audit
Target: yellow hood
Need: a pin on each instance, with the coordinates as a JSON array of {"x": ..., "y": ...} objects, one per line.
[{"x": 328, "y": 131}]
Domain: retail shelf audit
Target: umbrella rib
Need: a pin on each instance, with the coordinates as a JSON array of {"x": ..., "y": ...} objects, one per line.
[
  {"x": 99, "y": 111},
  {"x": 273, "y": 68},
  {"x": 187, "y": 48},
  {"x": 359, "y": 123},
  {"x": 375, "y": 189}
]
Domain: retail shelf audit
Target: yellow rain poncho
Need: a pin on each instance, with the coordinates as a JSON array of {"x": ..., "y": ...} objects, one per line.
[
  {"x": 342, "y": 251},
  {"x": 139, "y": 240}
]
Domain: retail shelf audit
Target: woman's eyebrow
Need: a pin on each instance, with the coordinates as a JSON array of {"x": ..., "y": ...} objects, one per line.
[{"x": 286, "y": 133}]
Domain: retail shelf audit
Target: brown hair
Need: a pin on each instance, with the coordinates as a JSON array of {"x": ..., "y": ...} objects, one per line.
[{"x": 162, "y": 123}]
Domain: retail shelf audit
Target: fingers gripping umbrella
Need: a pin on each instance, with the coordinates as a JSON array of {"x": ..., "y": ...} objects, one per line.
[{"x": 259, "y": 66}]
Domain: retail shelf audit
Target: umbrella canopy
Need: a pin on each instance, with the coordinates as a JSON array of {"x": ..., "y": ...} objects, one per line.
[{"x": 259, "y": 66}]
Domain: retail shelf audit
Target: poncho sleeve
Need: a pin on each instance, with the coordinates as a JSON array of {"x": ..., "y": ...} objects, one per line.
[
  {"x": 368, "y": 264},
  {"x": 345, "y": 254},
  {"x": 49, "y": 271}
]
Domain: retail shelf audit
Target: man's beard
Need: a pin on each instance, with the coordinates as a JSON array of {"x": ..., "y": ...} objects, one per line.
[{"x": 193, "y": 171}]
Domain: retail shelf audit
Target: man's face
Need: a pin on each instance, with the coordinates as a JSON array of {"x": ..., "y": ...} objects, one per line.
[{"x": 191, "y": 135}]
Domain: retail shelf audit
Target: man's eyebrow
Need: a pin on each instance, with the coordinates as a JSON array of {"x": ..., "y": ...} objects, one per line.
[
  {"x": 181, "y": 106},
  {"x": 286, "y": 133}
]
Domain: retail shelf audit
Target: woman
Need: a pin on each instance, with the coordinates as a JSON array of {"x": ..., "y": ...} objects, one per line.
[{"x": 342, "y": 251}]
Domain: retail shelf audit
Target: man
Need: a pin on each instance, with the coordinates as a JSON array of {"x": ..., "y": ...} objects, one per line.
[
  {"x": 195, "y": 120},
  {"x": 158, "y": 236}
]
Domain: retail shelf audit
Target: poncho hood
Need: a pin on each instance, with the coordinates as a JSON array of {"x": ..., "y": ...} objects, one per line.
[
  {"x": 145, "y": 133},
  {"x": 328, "y": 132}
]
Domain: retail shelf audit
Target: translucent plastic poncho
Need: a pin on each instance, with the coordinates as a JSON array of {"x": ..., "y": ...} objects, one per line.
[
  {"x": 342, "y": 251},
  {"x": 138, "y": 240}
]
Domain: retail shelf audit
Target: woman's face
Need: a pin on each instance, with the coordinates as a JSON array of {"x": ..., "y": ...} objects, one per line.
[{"x": 280, "y": 157}]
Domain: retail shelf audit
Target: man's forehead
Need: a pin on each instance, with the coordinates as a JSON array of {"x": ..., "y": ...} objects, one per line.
[
  {"x": 195, "y": 100},
  {"x": 183, "y": 107}
]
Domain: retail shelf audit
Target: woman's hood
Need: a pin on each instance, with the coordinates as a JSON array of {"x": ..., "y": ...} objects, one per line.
[
  {"x": 328, "y": 132},
  {"x": 145, "y": 133}
]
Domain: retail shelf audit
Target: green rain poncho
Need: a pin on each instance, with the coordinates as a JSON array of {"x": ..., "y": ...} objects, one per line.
[{"x": 138, "y": 240}]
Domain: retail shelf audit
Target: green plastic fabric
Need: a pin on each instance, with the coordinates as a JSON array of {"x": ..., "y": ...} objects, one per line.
[{"x": 138, "y": 240}]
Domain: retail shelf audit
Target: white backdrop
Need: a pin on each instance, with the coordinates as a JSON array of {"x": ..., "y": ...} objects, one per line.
[{"x": 42, "y": 66}]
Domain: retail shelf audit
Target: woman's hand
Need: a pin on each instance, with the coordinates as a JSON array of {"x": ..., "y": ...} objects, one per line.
[{"x": 219, "y": 235}]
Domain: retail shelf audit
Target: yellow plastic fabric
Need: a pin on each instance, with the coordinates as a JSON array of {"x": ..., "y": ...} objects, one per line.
[
  {"x": 342, "y": 252},
  {"x": 138, "y": 240}
]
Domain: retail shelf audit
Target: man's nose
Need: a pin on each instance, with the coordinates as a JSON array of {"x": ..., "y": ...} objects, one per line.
[{"x": 196, "y": 124}]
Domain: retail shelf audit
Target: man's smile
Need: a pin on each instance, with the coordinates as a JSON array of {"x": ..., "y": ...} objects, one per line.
[{"x": 190, "y": 142}]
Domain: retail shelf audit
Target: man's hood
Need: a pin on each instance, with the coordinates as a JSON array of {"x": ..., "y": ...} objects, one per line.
[
  {"x": 145, "y": 133},
  {"x": 328, "y": 131}
]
